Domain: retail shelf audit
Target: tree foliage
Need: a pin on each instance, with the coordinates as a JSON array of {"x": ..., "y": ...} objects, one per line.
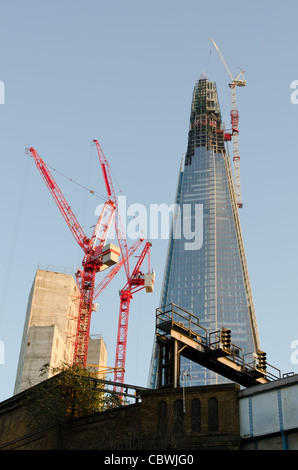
[{"x": 73, "y": 392}]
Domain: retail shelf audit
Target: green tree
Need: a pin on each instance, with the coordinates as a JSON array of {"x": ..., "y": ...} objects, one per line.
[{"x": 72, "y": 392}]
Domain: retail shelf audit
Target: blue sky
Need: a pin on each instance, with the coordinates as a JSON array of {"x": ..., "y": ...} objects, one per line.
[{"x": 123, "y": 73}]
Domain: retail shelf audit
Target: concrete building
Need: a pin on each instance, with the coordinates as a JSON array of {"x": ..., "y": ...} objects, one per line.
[{"x": 50, "y": 327}]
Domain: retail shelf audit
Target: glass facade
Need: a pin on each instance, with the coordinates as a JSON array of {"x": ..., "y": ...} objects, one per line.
[{"x": 207, "y": 275}]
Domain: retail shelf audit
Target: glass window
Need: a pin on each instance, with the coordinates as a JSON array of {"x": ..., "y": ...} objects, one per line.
[{"x": 213, "y": 414}]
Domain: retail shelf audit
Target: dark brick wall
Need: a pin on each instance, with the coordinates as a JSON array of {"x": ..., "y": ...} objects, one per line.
[
  {"x": 134, "y": 426},
  {"x": 176, "y": 434}
]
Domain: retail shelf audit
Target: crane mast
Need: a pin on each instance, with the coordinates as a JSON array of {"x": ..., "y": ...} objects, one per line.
[
  {"x": 237, "y": 81},
  {"x": 137, "y": 281},
  {"x": 111, "y": 194}
]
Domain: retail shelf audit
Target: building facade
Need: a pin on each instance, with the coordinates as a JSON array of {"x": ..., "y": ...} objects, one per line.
[
  {"x": 49, "y": 330},
  {"x": 215, "y": 417},
  {"x": 206, "y": 270},
  {"x": 195, "y": 418}
]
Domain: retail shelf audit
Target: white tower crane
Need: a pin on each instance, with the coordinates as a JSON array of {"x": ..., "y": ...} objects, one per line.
[{"x": 237, "y": 81}]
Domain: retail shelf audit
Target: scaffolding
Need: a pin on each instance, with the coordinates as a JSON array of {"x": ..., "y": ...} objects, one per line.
[{"x": 205, "y": 121}]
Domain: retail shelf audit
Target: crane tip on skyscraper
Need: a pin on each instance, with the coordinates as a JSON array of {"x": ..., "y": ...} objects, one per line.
[{"x": 235, "y": 81}]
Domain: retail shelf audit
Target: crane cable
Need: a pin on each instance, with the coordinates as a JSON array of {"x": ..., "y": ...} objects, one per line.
[
  {"x": 14, "y": 242},
  {"x": 91, "y": 191}
]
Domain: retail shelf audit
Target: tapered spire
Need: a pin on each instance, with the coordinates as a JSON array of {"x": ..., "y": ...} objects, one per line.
[{"x": 211, "y": 280}]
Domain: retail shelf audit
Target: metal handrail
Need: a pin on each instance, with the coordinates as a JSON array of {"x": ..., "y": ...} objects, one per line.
[{"x": 172, "y": 316}]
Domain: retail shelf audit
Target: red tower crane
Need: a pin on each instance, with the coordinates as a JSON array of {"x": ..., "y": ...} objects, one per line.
[
  {"x": 137, "y": 281},
  {"x": 234, "y": 121},
  {"x": 97, "y": 255}
]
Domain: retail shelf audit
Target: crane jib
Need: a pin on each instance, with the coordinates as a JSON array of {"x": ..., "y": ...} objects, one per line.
[{"x": 106, "y": 179}]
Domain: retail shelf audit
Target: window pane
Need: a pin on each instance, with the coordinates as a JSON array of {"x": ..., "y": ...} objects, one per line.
[
  {"x": 213, "y": 414},
  {"x": 178, "y": 416}
]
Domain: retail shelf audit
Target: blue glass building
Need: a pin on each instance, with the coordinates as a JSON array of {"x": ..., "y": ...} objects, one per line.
[{"x": 208, "y": 276}]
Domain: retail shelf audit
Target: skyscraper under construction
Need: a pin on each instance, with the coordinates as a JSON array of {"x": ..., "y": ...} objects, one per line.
[{"x": 208, "y": 276}]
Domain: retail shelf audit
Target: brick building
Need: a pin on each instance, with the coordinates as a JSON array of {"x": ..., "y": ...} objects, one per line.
[
  {"x": 217, "y": 417},
  {"x": 204, "y": 417}
]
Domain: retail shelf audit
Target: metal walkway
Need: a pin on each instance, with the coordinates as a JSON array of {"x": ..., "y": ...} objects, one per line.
[{"x": 179, "y": 333}]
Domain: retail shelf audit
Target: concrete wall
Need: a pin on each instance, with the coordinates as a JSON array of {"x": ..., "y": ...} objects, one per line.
[
  {"x": 38, "y": 353},
  {"x": 50, "y": 327},
  {"x": 97, "y": 356}
]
